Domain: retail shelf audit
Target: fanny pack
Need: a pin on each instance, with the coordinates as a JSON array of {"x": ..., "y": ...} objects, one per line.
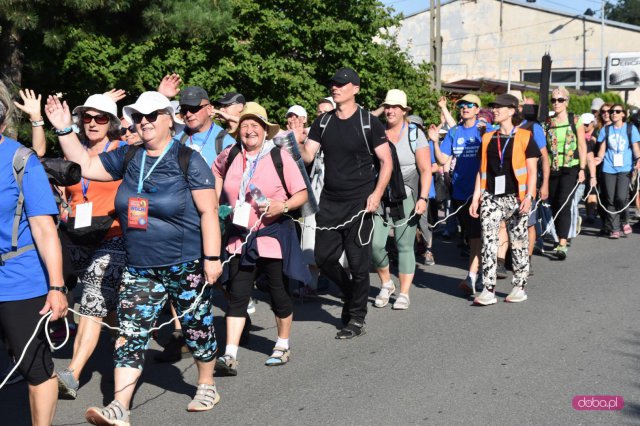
[{"x": 88, "y": 235}]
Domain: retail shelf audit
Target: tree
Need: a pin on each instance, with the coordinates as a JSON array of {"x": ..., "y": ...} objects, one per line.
[{"x": 627, "y": 11}]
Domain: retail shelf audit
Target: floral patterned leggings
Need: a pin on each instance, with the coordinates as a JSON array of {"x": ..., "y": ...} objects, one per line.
[
  {"x": 142, "y": 295},
  {"x": 493, "y": 210}
]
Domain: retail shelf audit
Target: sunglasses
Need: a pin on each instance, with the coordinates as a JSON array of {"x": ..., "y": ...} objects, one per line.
[
  {"x": 151, "y": 117},
  {"x": 558, "y": 100},
  {"x": 466, "y": 105},
  {"x": 124, "y": 130},
  {"x": 616, "y": 111},
  {"x": 193, "y": 109},
  {"x": 604, "y": 111},
  {"x": 99, "y": 119}
]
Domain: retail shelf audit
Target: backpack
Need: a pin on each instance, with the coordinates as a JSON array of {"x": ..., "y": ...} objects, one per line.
[
  {"x": 20, "y": 159},
  {"x": 219, "y": 139},
  {"x": 413, "y": 134},
  {"x": 184, "y": 156},
  {"x": 395, "y": 192}
]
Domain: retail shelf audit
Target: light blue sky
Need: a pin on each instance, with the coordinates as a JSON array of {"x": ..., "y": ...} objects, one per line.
[{"x": 571, "y": 6}]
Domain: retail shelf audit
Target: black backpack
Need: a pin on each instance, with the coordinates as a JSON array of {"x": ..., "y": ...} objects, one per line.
[{"x": 395, "y": 192}]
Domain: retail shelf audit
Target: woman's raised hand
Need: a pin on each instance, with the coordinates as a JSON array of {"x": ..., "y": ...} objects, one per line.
[
  {"x": 31, "y": 104},
  {"x": 58, "y": 113}
]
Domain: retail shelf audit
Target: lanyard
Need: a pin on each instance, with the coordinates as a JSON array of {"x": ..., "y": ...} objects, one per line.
[
  {"x": 85, "y": 182},
  {"x": 206, "y": 138},
  {"x": 144, "y": 157},
  {"x": 501, "y": 151},
  {"x": 248, "y": 175}
]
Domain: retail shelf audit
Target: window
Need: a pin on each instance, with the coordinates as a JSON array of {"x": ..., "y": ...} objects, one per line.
[
  {"x": 588, "y": 80},
  {"x": 563, "y": 77},
  {"x": 531, "y": 76}
]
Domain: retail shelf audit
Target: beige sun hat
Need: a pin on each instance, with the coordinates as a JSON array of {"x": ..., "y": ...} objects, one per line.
[
  {"x": 396, "y": 97},
  {"x": 255, "y": 110}
]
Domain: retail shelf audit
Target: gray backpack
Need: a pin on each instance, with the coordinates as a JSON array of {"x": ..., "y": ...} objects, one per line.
[{"x": 20, "y": 159}]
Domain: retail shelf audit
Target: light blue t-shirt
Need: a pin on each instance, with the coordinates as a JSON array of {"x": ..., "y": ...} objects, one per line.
[
  {"x": 22, "y": 277},
  {"x": 538, "y": 134},
  {"x": 463, "y": 143},
  {"x": 618, "y": 143},
  {"x": 205, "y": 142}
]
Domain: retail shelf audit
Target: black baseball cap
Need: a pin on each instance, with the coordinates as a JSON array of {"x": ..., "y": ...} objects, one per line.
[
  {"x": 346, "y": 75},
  {"x": 193, "y": 95},
  {"x": 231, "y": 98},
  {"x": 505, "y": 100}
]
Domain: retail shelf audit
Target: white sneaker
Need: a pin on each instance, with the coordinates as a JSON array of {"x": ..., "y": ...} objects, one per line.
[
  {"x": 486, "y": 298},
  {"x": 251, "y": 307},
  {"x": 517, "y": 295},
  {"x": 387, "y": 290}
]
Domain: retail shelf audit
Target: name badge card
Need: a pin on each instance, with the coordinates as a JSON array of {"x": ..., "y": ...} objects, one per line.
[
  {"x": 241, "y": 215},
  {"x": 618, "y": 159},
  {"x": 83, "y": 215},
  {"x": 138, "y": 213},
  {"x": 499, "y": 185}
]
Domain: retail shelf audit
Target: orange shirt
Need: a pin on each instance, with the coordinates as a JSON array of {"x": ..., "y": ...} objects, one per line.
[{"x": 101, "y": 194}]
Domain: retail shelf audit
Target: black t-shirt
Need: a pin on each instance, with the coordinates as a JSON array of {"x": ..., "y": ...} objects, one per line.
[
  {"x": 493, "y": 162},
  {"x": 349, "y": 171}
]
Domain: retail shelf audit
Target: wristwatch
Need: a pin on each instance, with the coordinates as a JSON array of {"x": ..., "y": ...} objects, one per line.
[
  {"x": 423, "y": 199},
  {"x": 285, "y": 208},
  {"x": 63, "y": 289},
  {"x": 37, "y": 123},
  {"x": 214, "y": 258}
]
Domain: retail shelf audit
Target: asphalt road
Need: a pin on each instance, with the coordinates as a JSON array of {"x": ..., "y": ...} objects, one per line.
[{"x": 441, "y": 362}]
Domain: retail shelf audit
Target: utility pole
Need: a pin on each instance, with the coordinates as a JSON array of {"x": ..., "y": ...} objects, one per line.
[
  {"x": 435, "y": 42},
  {"x": 602, "y": 47}
]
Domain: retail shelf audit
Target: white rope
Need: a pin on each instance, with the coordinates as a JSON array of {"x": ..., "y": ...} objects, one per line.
[
  {"x": 625, "y": 207},
  {"x": 553, "y": 220}
]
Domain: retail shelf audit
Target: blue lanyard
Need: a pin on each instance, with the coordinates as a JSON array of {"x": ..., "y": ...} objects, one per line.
[
  {"x": 85, "y": 182},
  {"x": 246, "y": 179},
  {"x": 144, "y": 158},
  {"x": 206, "y": 139},
  {"x": 501, "y": 152}
]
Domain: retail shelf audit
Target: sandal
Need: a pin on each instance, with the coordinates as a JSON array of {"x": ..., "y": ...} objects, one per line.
[
  {"x": 206, "y": 398},
  {"x": 112, "y": 414},
  {"x": 353, "y": 329},
  {"x": 227, "y": 365},
  {"x": 387, "y": 290},
  {"x": 280, "y": 356},
  {"x": 401, "y": 303}
]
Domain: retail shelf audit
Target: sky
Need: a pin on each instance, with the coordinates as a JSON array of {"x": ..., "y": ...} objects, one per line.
[{"x": 572, "y": 6}]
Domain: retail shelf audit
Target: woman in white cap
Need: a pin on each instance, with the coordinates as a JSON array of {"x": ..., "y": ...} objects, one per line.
[
  {"x": 168, "y": 209},
  {"x": 252, "y": 186},
  {"x": 92, "y": 237},
  {"x": 414, "y": 156}
]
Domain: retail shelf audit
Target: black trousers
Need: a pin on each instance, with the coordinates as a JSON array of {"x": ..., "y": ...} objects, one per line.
[
  {"x": 331, "y": 244},
  {"x": 18, "y": 320},
  {"x": 561, "y": 184},
  {"x": 616, "y": 191},
  {"x": 241, "y": 284}
]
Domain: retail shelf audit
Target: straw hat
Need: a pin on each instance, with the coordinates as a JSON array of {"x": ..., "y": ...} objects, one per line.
[
  {"x": 396, "y": 97},
  {"x": 256, "y": 111}
]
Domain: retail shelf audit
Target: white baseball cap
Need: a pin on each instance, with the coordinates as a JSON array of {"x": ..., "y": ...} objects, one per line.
[
  {"x": 99, "y": 102},
  {"x": 587, "y": 118},
  {"x": 297, "y": 110},
  {"x": 147, "y": 103}
]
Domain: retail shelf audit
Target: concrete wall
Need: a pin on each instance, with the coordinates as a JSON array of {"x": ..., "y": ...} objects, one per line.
[{"x": 474, "y": 46}]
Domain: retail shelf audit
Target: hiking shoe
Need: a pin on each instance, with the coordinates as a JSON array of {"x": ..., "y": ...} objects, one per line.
[
  {"x": 251, "y": 307},
  {"x": 614, "y": 235},
  {"x": 530, "y": 268},
  {"x": 174, "y": 350},
  {"x": 467, "y": 287},
  {"x": 560, "y": 252},
  {"x": 16, "y": 377},
  {"x": 206, "y": 398},
  {"x": 428, "y": 258},
  {"x": 487, "y": 297},
  {"x": 501, "y": 271},
  {"x": 67, "y": 384},
  {"x": 351, "y": 330},
  {"x": 387, "y": 290},
  {"x": 227, "y": 365},
  {"x": 402, "y": 302},
  {"x": 112, "y": 414},
  {"x": 517, "y": 295},
  {"x": 626, "y": 229},
  {"x": 538, "y": 248}
]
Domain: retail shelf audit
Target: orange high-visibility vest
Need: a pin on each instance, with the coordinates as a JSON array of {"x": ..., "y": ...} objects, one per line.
[{"x": 518, "y": 160}]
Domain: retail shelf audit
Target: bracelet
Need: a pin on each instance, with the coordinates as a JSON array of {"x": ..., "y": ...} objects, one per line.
[
  {"x": 63, "y": 132},
  {"x": 63, "y": 289},
  {"x": 285, "y": 208},
  {"x": 423, "y": 199},
  {"x": 214, "y": 258},
  {"x": 37, "y": 123}
]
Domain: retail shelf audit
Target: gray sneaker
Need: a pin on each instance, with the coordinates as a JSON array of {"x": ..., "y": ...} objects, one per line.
[
  {"x": 227, "y": 365},
  {"x": 112, "y": 414},
  {"x": 67, "y": 384}
]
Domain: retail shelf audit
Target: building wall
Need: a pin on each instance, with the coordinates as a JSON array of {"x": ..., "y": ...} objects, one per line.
[{"x": 474, "y": 47}]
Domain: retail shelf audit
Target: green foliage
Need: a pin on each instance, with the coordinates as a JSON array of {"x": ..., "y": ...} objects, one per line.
[{"x": 627, "y": 11}]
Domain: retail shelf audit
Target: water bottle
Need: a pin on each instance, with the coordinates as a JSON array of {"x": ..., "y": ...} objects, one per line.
[{"x": 256, "y": 194}]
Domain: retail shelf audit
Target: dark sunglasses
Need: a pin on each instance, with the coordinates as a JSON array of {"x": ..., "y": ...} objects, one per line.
[
  {"x": 124, "y": 130},
  {"x": 466, "y": 105},
  {"x": 193, "y": 109},
  {"x": 605, "y": 111},
  {"x": 616, "y": 111},
  {"x": 151, "y": 117},
  {"x": 99, "y": 119},
  {"x": 558, "y": 100}
]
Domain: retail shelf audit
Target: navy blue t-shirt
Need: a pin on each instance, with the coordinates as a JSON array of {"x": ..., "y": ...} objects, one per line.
[{"x": 173, "y": 232}]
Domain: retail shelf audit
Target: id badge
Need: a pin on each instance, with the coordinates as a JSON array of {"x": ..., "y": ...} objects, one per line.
[
  {"x": 618, "y": 159},
  {"x": 83, "y": 215},
  {"x": 138, "y": 213},
  {"x": 499, "y": 185},
  {"x": 241, "y": 215}
]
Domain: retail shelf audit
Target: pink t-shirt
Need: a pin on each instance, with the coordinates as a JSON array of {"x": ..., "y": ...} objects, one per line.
[{"x": 266, "y": 178}]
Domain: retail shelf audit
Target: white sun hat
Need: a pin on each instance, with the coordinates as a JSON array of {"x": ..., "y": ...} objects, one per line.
[
  {"x": 147, "y": 103},
  {"x": 99, "y": 102}
]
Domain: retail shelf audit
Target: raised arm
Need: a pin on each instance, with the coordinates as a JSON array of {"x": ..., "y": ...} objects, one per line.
[
  {"x": 32, "y": 106},
  {"x": 433, "y": 134},
  {"x": 60, "y": 117}
]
